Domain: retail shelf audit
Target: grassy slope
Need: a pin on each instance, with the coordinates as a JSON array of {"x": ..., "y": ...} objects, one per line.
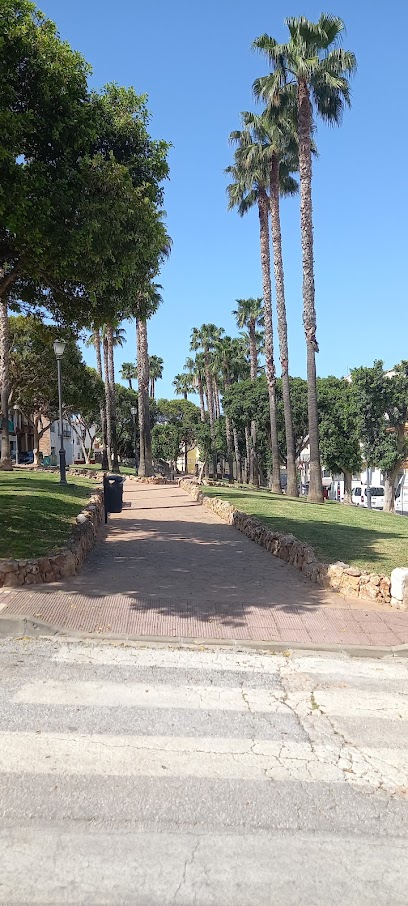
[
  {"x": 93, "y": 467},
  {"x": 36, "y": 512},
  {"x": 371, "y": 540}
]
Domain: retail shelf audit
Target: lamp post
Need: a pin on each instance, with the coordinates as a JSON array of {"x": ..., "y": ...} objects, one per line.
[
  {"x": 134, "y": 414},
  {"x": 59, "y": 346},
  {"x": 15, "y": 407}
]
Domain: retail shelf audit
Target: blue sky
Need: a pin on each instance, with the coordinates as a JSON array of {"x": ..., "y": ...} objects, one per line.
[{"x": 196, "y": 64}]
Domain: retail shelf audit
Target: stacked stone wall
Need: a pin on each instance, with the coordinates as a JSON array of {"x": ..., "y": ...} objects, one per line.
[{"x": 341, "y": 577}]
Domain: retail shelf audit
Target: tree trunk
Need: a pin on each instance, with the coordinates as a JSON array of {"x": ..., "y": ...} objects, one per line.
[
  {"x": 237, "y": 454},
  {"x": 97, "y": 345},
  {"x": 248, "y": 454},
  {"x": 309, "y": 311},
  {"x": 36, "y": 443},
  {"x": 228, "y": 437},
  {"x": 5, "y": 461},
  {"x": 107, "y": 402},
  {"x": 269, "y": 357},
  {"x": 389, "y": 489},
  {"x": 347, "y": 487},
  {"x": 146, "y": 464},
  {"x": 292, "y": 487},
  {"x": 111, "y": 361},
  {"x": 201, "y": 395}
]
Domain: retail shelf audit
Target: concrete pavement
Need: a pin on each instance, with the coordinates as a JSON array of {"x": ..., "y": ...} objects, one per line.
[
  {"x": 168, "y": 568},
  {"x": 161, "y": 776}
]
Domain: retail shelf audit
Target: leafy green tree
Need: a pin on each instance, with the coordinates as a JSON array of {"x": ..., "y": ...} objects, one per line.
[
  {"x": 33, "y": 384},
  {"x": 339, "y": 425},
  {"x": 315, "y": 71},
  {"x": 382, "y": 398},
  {"x": 175, "y": 430}
]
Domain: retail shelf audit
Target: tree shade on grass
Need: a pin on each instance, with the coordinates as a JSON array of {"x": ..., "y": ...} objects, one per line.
[
  {"x": 36, "y": 512},
  {"x": 370, "y": 540}
]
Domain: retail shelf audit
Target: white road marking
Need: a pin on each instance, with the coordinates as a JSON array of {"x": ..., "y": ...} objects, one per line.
[
  {"x": 142, "y": 695},
  {"x": 170, "y": 658},
  {"x": 362, "y": 702}
]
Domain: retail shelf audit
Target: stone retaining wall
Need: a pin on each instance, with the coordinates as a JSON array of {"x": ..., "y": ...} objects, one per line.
[
  {"x": 348, "y": 580},
  {"x": 67, "y": 560}
]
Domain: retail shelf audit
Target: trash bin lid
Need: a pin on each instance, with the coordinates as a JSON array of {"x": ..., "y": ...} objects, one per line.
[{"x": 118, "y": 479}]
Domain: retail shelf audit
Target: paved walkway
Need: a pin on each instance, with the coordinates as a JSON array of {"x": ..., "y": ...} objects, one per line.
[{"x": 167, "y": 567}]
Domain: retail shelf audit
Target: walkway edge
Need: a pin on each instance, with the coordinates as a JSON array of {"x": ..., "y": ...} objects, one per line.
[
  {"x": 24, "y": 627},
  {"x": 340, "y": 577}
]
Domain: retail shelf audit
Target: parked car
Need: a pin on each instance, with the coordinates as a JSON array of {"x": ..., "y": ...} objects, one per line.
[
  {"x": 401, "y": 496},
  {"x": 359, "y": 497}
]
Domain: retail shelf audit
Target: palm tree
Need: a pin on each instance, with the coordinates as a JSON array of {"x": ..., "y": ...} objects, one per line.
[
  {"x": 250, "y": 314},
  {"x": 155, "y": 372},
  {"x": 115, "y": 336},
  {"x": 228, "y": 357},
  {"x": 148, "y": 301},
  {"x": 128, "y": 372},
  {"x": 195, "y": 369},
  {"x": 314, "y": 69},
  {"x": 95, "y": 340},
  {"x": 250, "y": 187},
  {"x": 5, "y": 461},
  {"x": 204, "y": 338},
  {"x": 183, "y": 384},
  {"x": 272, "y": 135}
]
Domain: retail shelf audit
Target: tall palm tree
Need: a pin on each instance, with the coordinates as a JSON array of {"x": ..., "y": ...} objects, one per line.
[
  {"x": 128, "y": 372},
  {"x": 228, "y": 356},
  {"x": 148, "y": 300},
  {"x": 155, "y": 372},
  {"x": 204, "y": 338},
  {"x": 195, "y": 368},
  {"x": 250, "y": 314},
  {"x": 115, "y": 336},
  {"x": 250, "y": 188},
  {"x": 272, "y": 136},
  {"x": 5, "y": 461},
  {"x": 183, "y": 384},
  {"x": 314, "y": 69},
  {"x": 95, "y": 340}
]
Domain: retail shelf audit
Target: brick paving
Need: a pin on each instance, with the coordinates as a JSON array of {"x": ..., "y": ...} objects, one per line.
[{"x": 166, "y": 567}]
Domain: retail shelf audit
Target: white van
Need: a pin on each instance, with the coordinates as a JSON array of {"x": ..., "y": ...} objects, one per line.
[{"x": 401, "y": 496}]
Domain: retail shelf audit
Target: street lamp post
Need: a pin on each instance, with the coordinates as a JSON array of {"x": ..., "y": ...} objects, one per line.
[
  {"x": 134, "y": 414},
  {"x": 59, "y": 346}
]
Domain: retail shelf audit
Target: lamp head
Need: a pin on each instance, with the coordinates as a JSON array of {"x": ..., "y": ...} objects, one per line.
[
  {"x": 59, "y": 346},
  {"x": 133, "y": 410}
]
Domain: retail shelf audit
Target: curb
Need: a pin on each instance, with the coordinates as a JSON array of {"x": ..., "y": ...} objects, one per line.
[{"x": 25, "y": 627}]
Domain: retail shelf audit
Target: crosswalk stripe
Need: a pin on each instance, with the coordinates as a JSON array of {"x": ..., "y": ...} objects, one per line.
[
  {"x": 140, "y": 695},
  {"x": 206, "y": 757},
  {"x": 170, "y": 658},
  {"x": 383, "y": 705}
]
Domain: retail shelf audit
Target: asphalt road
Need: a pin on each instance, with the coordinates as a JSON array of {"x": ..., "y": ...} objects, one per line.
[{"x": 156, "y": 776}]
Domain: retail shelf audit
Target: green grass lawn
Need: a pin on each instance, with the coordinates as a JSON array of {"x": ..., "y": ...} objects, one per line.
[
  {"x": 375, "y": 541},
  {"x": 36, "y": 512}
]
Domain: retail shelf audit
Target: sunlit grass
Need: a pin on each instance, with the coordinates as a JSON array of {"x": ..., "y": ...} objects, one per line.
[
  {"x": 375, "y": 541},
  {"x": 36, "y": 512}
]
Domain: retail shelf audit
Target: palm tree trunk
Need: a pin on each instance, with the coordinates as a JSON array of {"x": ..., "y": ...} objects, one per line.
[
  {"x": 248, "y": 454},
  {"x": 97, "y": 345},
  {"x": 309, "y": 311},
  {"x": 107, "y": 401},
  {"x": 292, "y": 488},
  {"x": 201, "y": 395},
  {"x": 263, "y": 210},
  {"x": 5, "y": 461},
  {"x": 146, "y": 463},
  {"x": 237, "y": 454},
  {"x": 228, "y": 437},
  {"x": 253, "y": 354},
  {"x": 111, "y": 368}
]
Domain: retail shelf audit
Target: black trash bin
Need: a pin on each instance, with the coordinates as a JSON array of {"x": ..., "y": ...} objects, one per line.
[{"x": 113, "y": 492}]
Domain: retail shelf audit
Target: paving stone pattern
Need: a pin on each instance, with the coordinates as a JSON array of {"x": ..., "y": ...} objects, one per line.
[{"x": 167, "y": 567}]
